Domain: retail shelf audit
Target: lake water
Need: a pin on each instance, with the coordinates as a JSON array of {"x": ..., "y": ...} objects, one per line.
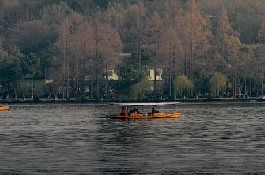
[{"x": 209, "y": 138}]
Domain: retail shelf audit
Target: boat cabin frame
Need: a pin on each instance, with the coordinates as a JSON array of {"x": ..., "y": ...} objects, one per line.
[{"x": 135, "y": 114}]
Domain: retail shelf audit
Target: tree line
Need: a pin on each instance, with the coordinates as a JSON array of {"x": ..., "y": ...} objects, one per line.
[{"x": 203, "y": 48}]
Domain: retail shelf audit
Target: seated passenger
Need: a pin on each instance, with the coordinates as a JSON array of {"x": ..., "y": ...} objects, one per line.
[
  {"x": 136, "y": 110},
  {"x": 154, "y": 111}
]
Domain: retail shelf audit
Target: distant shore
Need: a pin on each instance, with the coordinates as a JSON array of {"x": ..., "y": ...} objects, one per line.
[{"x": 45, "y": 100}]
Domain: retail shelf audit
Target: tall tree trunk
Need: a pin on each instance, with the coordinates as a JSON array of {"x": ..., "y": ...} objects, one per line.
[{"x": 107, "y": 79}]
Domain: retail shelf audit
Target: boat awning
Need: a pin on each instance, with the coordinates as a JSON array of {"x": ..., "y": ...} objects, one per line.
[{"x": 145, "y": 104}]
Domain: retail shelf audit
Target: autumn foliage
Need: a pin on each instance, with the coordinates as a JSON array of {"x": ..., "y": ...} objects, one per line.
[{"x": 202, "y": 47}]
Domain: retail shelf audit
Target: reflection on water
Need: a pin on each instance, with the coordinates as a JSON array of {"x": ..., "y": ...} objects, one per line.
[{"x": 78, "y": 139}]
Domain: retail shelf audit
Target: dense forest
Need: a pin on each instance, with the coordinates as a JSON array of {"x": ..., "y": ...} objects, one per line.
[{"x": 203, "y": 48}]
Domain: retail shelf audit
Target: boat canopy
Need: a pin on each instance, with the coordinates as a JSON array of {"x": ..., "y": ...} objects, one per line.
[{"x": 145, "y": 104}]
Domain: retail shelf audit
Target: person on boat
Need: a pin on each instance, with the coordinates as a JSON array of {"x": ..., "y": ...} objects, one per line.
[
  {"x": 134, "y": 110},
  {"x": 154, "y": 111},
  {"x": 123, "y": 111}
]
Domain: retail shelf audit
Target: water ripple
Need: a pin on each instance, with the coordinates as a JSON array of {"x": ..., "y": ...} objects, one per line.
[{"x": 212, "y": 138}]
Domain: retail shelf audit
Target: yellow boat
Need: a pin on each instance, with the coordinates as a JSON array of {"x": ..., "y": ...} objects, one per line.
[
  {"x": 4, "y": 108},
  {"x": 135, "y": 114}
]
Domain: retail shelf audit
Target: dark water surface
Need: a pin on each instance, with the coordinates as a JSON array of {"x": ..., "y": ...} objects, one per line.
[{"x": 209, "y": 138}]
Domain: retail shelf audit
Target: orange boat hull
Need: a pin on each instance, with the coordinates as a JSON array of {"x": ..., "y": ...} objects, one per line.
[
  {"x": 4, "y": 108},
  {"x": 145, "y": 116}
]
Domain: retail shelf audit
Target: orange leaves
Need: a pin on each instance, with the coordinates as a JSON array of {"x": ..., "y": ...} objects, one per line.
[{"x": 224, "y": 27}]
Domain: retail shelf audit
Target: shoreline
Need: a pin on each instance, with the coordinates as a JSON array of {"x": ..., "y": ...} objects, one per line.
[{"x": 44, "y": 100}]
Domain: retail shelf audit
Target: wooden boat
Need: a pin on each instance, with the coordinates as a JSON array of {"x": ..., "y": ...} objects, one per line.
[
  {"x": 135, "y": 114},
  {"x": 4, "y": 108}
]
